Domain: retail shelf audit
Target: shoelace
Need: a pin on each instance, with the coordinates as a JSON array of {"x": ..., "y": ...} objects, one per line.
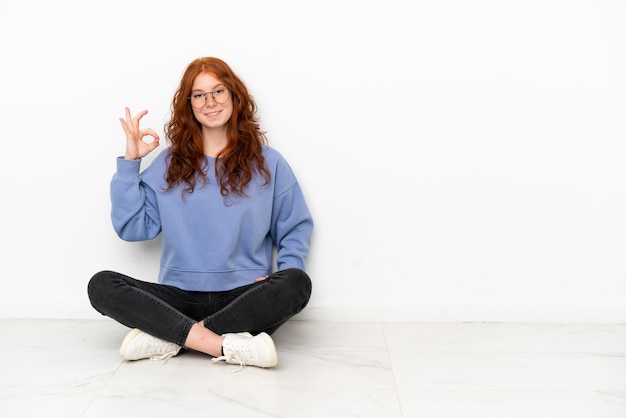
[
  {"x": 165, "y": 356},
  {"x": 236, "y": 356}
]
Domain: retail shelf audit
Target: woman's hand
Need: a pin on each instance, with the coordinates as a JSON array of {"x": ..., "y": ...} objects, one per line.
[{"x": 136, "y": 147}]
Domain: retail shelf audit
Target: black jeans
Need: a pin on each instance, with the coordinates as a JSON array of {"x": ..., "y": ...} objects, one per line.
[{"x": 168, "y": 312}]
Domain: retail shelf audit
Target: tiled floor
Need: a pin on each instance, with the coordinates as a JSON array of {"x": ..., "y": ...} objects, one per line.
[{"x": 71, "y": 368}]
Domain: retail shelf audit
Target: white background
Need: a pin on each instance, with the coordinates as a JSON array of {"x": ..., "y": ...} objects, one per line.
[{"x": 463, "y": 160}]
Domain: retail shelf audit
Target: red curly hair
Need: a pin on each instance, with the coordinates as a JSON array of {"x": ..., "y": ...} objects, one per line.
[{"x": 239, "y": 160}]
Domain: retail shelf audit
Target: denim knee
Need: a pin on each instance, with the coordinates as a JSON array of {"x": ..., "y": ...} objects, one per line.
[
  {"x": 300, "y": 285},
  {"x": 97, "y": 288}
]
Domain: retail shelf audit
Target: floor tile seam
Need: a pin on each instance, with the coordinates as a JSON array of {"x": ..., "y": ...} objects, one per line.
[
  {"x": 102, "y": 388},
  {"x": 391, "y": 368}
]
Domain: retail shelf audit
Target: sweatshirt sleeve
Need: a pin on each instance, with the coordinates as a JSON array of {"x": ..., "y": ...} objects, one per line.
[
  {"x": 292, "y": 224},
  {"x": 134, "y": 210}
]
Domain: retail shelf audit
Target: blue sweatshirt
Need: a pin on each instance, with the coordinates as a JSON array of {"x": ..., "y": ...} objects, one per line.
[{"x": 211, "y": 243}]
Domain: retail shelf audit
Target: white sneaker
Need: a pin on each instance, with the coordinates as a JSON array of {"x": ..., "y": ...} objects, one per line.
[
  {"x": 138, "y": 345},
  {"x": 247, "y": 350}
]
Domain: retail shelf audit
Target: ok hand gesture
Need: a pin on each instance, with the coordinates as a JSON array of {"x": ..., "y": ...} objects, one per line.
[{"x": 136, "y": 147}]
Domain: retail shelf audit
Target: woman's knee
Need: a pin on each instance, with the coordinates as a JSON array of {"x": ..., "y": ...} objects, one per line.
[
  {"x": 304, "y": 280},
  {"x": 299, "y": 283},
  {"x": 99, "y": 286}
]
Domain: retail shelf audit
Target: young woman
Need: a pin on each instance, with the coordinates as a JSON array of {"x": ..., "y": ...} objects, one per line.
[{"x": 223, "y": 201}]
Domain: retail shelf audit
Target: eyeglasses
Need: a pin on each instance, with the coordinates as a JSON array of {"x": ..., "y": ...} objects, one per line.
[{"x": 198, "y": 98}]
